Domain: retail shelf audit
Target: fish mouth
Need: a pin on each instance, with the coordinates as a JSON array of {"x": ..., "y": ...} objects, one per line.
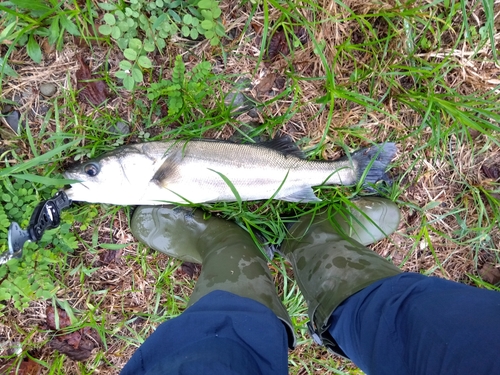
[{"x": 73, "y": 191}]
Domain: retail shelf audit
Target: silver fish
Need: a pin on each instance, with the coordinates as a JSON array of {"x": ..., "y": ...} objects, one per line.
[{"x": 199, "y": 171}]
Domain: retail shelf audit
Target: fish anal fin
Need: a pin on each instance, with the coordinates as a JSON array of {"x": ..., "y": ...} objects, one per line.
[
  {"x": 285, "y": 145},
  {"x": 303, "y": 195}
]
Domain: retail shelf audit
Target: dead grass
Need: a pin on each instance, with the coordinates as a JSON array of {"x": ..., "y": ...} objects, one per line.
[{"x": 439, "y": 180}]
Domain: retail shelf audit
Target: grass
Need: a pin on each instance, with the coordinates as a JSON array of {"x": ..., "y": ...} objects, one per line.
[{"x": 423, "y": 75}]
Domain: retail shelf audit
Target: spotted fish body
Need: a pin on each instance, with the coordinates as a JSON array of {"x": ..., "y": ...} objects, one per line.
[{"x": 203, "y": 170}]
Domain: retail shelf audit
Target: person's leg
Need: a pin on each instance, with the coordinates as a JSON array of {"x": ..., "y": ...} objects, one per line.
[
  {"x": 413, "y": 324},
  {"x": 234, "y": 269},
  {"x": 330, "y": 266},
  {"x": 220, "y": 334}
]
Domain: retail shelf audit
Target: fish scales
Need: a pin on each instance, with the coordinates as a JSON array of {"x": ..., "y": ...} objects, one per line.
[{"x": 197, "y": 171}]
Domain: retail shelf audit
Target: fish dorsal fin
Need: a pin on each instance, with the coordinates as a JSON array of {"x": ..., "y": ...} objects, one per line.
[
  {"x": 285, "y": 145},
  {"x": 168, "y": 171}
]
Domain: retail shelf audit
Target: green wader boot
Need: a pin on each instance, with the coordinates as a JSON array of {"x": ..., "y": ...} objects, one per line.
[
  {"x": 230, "y": 259},
  {"x": 329, "y": 266}
]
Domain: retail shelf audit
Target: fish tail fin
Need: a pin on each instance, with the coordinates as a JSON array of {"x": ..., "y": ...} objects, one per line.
[{"x": 372, "y": 162}]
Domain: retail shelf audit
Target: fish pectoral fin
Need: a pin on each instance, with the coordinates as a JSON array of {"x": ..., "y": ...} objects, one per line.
[
  {"x": 168, "y": 171},
  {"x": 303, "y": 195}
]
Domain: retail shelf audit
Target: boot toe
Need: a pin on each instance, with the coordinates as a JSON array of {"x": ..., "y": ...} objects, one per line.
[{"x": 370, "y": 220}]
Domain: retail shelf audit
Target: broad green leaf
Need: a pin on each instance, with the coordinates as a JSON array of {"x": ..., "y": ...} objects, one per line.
[
  {"x": 144, "y": 62},
  {"x": 6, "y": 32},
  {"x": 116, "y": 32},
  {"x": 214, "y": 41},
  {"x": 107, "y": 6},
  {"x": 125, "y": 65},
  {"x": 194, "y": 34},
  {"x": 70, "y": 27},
  {"x": 120, "y": 15},
  {"x": 187, "y": 19},
  {"x": 109, "y": 19},
  {"x": 105, "y": 29},
  {"x": 122, "y": 43},
  {"x": 54, "y": 31},
  {"x": 5, "y": 68},
  {"x": 219, "y": 29},
  {"x": 128, "y": 83},
  {"x": 121, "y": 74},
  {"x": 149, "y": 46},
  {"x": 185, "y": 31},
  {"x": 216, "y": 12},
  {"x": 207, "y": 24},
  {"x": 123, "y": 26},
  {"x": 33, "y": 5},
  {"x": 135, "y": 44},
  {"x": 205, "y": 4},
  {"x": 207, "y": 14},
  {"x": 34, "y": 50},
  {"x": 174, "y": 15},
  {"x": 130, "y": 54},
  {"x": 137, "y": 74},
  {"x": 159, "y": 21}
]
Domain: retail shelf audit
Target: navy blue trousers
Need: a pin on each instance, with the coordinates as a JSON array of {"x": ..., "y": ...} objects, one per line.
[
  {"x": 405, "y": 324},
  {"x": 220, "y": 334}
]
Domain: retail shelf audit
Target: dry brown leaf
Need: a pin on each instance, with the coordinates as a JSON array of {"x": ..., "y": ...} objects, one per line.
[
  {"x": 26, "y": 367},
  {"x": 64, "y": 320},
  {"x": 107, "y": 257},
  {"x": 47, "y": 47},
  {"x": 190, "y": 269},
  {"x": 490, "y": 274},
  {"x": 278, "y": 45},
  {"x": 94, "y": 91},
  {"x": 491, "y": 171},
  {"x": 77, "y": 345},
  {"x": 266, "y": 83}
]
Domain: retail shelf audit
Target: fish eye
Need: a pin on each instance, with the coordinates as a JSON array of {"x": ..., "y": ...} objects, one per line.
[{"x": 91, "y": 169}]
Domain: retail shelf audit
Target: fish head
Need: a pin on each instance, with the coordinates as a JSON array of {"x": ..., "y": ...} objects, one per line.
[{"x": 119, "y": 177}]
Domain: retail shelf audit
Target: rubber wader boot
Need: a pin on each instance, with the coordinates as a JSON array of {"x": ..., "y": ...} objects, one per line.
[
  {"x": 329, "y": 266},
  {"x": 230, "y": 259}
]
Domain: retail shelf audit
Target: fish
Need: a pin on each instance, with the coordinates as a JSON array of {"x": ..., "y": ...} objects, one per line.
[{"x": 205, "y": 170}]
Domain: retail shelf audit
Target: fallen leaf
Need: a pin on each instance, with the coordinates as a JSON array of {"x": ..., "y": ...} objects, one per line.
[
  {"x": 64, "y": 320},
  {"x": 190, "y": 269},
  {"x": 107, "y": 257},
  {"x": 491, "y": 171},
  {"x": 26, "y": 367},
  {"x": 257, "y": 27},
  {"x": 92, "y": 90},
  {"x": 279, "y": 45},
  {"x": 47, "y": 47},
  {"x": 81, "y": 353},
  {"x": 490, "y": 274},
  {"x": 266, "y": 83},
  {"x": 77, "y": 345}
]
